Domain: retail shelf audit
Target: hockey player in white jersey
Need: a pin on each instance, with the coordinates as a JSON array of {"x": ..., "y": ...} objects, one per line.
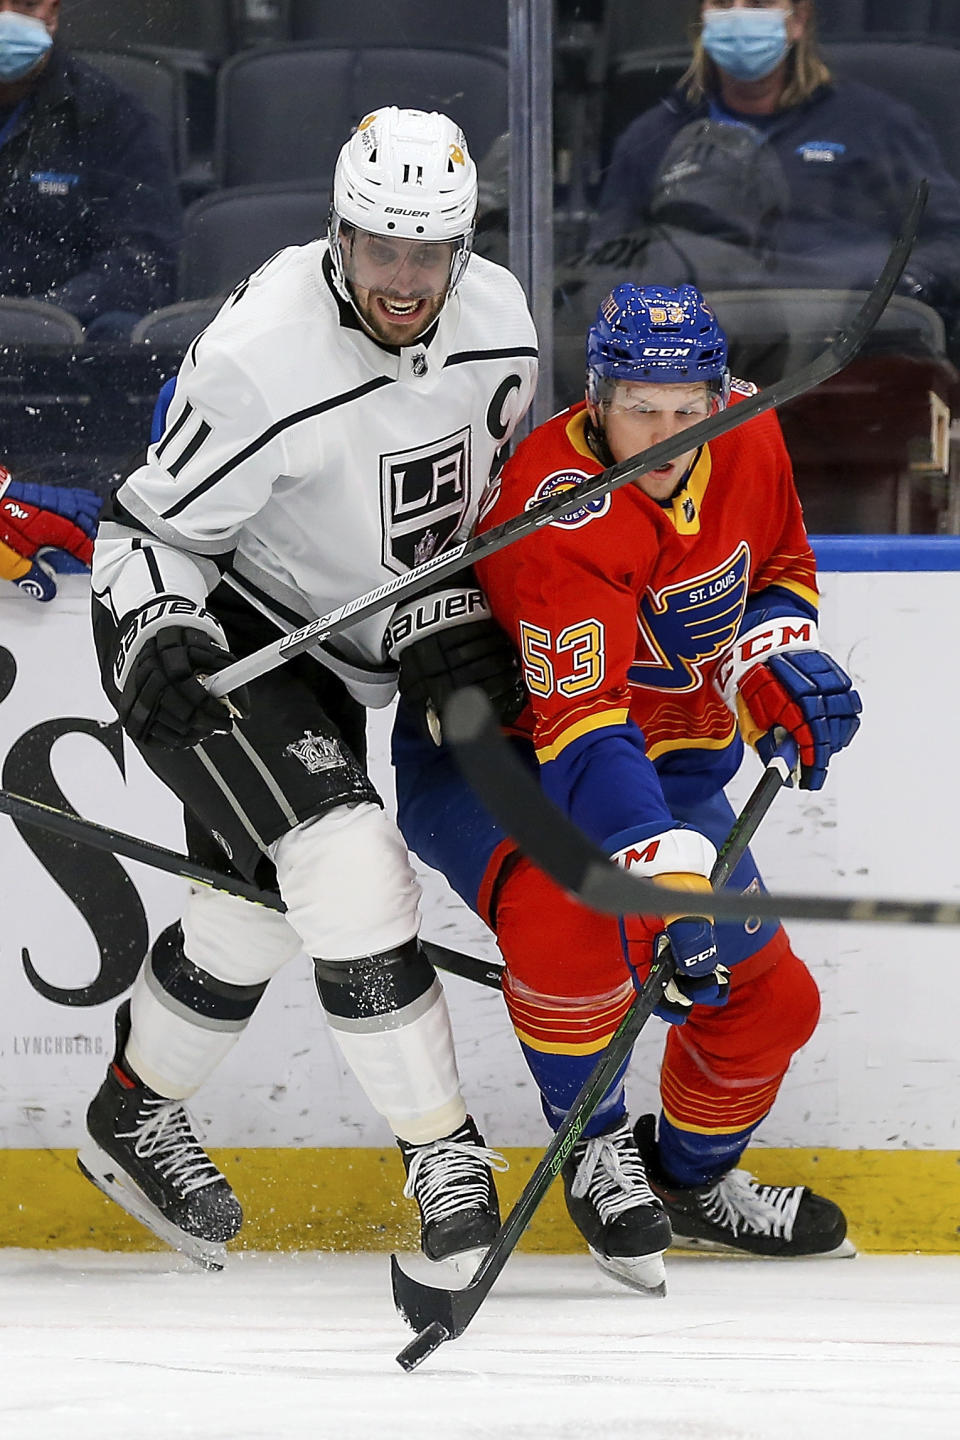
[{"x": 333, "y": 426}]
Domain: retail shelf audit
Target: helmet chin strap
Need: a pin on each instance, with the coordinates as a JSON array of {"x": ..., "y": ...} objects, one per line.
[{"x": 596, "y": 438}]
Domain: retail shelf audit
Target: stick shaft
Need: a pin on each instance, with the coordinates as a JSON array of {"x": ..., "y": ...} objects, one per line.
[
  {"x": 545, "y": 835},
  {"x": 100, "y": 837}
]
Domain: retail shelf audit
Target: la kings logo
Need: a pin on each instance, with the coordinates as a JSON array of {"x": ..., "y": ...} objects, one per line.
[{"x": 424, "y": 494}]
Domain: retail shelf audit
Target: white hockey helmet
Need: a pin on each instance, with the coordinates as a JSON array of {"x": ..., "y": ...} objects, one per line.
[{"x": 406, "y": 174}]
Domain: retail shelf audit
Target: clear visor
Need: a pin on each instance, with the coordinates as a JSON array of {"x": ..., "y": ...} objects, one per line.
[
  {"x": 398, "y": 268},
  {"x": 698, "y": 398}
]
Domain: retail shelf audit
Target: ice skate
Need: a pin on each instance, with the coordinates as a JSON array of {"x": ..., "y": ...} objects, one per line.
[
  {"x": 615, "y": 1210},
  {"x": 141, "y": 1152},
  {"x": 738, "y": 1215},
  {"x": 452, "y": 1182}
]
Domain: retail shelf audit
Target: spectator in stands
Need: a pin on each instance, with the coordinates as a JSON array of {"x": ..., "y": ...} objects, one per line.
[
  {"x": 760, "y": 168},
  {"x": 91, "y": 214}
]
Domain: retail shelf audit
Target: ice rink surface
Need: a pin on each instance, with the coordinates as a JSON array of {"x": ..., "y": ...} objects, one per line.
[{"x": 283, "y": 1347}]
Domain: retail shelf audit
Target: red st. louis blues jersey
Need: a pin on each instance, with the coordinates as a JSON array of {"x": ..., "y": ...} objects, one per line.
[{"x": 622, "y": 610}]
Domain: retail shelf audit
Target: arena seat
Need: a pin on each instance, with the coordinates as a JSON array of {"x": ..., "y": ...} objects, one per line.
[
  {"x": 808, "y": 319},
  {"x": 845, "y": 18},
  {"x": 33, "y": 322},
  {"x": 456, "y": 23},
  {"x": 191, "y": 36},
  {"x": 199, "y": 26},
  {"x": 175, "y": 326},
  {"x": 635, "y": 83},
  {"x": 656, "y": 25},
  {"x": 229, "y": 233},
  {"x": 283, "y": 112},
  {"x": 926, "y": 76},
  {"x": 156, "y": 84}
]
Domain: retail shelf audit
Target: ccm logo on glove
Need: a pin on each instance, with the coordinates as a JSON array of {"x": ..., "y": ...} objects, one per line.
[
  {"x": 672, "y": 852},
  {"x": 759, "y": 644}
]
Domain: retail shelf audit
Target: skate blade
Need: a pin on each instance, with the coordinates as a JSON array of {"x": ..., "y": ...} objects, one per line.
[
  {"x": 644, "y": 1273},
  {"x": 103, "y": 1172},
  {"x": 454, "y": 1272},
  {"x": 460, "y": 1268},
  {"x": 846, "y": 1250}
]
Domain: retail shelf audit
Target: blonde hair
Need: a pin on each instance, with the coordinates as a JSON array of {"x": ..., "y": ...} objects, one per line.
[{"x": 806, "y": 68}]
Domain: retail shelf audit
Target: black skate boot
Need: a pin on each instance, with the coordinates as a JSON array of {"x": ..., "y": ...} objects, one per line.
[
  {"x": 615, "y": 1210},
  {"x": 452, "y": 1183},
  {"x": 738, "y": 1215},
  {"x": 141, "y": 1152}
]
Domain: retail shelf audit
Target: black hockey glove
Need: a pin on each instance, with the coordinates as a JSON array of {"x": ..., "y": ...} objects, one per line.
[
  {"x": 446, "y": 640},
  {"x": 162, "y": 651}
]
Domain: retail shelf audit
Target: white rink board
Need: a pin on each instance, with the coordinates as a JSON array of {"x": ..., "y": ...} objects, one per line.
[{"x": 882, "y": 1071}]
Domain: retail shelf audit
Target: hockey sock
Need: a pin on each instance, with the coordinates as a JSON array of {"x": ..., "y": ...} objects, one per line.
[
  {"x": 690, "y": 1157},
  {"x": 561, "y": 1038},
  {"x": 559, "y": 1079}
]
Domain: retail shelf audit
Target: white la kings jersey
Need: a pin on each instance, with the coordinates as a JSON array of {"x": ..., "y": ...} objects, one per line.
[{"x": 310, "y": 464}]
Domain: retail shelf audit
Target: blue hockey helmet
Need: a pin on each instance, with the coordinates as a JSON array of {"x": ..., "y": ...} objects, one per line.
[{"x": 657, "y": 334}]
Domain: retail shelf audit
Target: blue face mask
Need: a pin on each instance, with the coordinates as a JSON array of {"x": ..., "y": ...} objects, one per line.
[
  {"x": 746, "y": 44},
  {"x": 23, "y": 42}
]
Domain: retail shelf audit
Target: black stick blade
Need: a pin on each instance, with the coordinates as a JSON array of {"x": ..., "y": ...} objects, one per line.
[
  {"x": 423, "y": 1306},
  {"x": 419, "y": 1304}
]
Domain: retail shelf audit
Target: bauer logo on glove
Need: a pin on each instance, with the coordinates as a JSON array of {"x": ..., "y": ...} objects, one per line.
[{"x": 448, "y": 639}]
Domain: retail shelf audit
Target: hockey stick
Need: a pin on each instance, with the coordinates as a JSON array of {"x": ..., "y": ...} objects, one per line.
[
  {"x": 560, "y": 848},
  {"x": 438, "y": 1315},
  {"x": 838, "y": 354},
  {"x": 115, "y": 842}
]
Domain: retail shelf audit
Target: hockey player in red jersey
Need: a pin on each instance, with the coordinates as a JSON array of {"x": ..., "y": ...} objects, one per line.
[{"x": 658, "y": 628}]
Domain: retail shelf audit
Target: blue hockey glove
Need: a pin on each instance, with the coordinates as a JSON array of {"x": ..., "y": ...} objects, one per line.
[
  {"x": 30, "y": 529},
  {"x": 80, "y": 507},
  {"x": 33, "y": 576},
  {"x": 693, "y": 983},
  {"x": 775, "y": 676},
  {"x": 681, "y": 859},
  {"x": 808, "y": 695}
]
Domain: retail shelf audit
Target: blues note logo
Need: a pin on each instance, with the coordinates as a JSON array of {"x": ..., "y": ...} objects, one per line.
[
  {"x": 563, "y": 480},
  {"x": 685, "y": 626}
]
